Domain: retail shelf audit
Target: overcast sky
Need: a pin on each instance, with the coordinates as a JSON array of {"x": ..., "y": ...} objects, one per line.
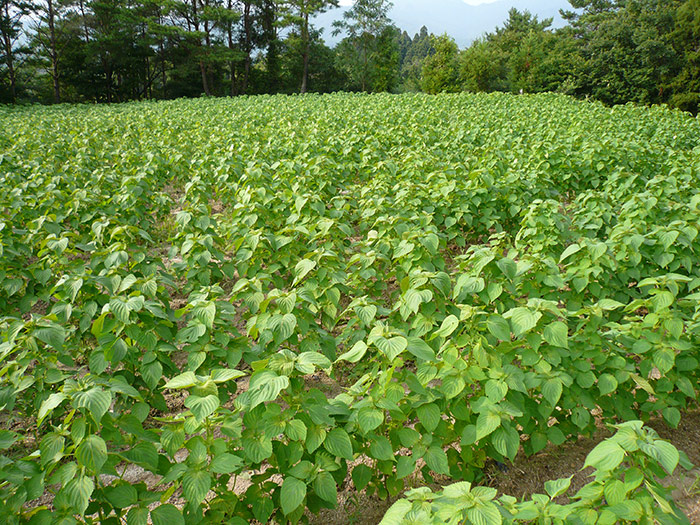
[
  {"x": 470, "y": 2},
  {"x": 463, "y": 20}
]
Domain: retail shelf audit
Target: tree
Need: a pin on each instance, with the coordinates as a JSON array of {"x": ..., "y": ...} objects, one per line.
[
  {"x": 323, "y": 75},
  {"x": 685, "y": 86},
  {"x": 544, "y": 61},
  {"x": 441, "y": 69},
  {"x": 626, "y": 49},
  {"x": 514, "y": 57},
  {"x": 412, "y": 53},
  {"x": 269, "y": 21},
  {"x": 298, "y": 14},
  {"x": 370, "y": 45},
  {"x": 12, "y": 12},
  {"x": 484, "y": 68},
  {"x": 48, "y": 13}
]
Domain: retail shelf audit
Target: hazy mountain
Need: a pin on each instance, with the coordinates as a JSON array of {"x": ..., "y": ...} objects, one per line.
[{"x": 458, "y": 19}]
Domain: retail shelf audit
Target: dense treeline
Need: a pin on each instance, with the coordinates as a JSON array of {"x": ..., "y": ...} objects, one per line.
[{"x": 645, "y": 51}]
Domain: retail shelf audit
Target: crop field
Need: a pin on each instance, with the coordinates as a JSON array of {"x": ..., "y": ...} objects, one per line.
[{"x": 234, "y": 310}]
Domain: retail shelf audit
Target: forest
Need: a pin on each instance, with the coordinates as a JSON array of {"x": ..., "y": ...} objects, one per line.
[{"x": 614, "y": 51}]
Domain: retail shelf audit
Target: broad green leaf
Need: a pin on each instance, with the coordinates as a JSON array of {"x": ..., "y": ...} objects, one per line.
[
  {"x": 221, "y": 375},
  {"x": 615, "y": 491},
  {"x": 296, "y": 430},
  {"x": 672, "y": 416},
  {"x": 7, "y": 439},
  {"x": 367, "y": 314},
  {"x": 666, "y": 454},
  {"x": 420, "y": 349},
  {"x": 302, "y": 268},
  {"x": 557, "y": 334},
  {"x": 307, "y": 362},
  {"x": 285, "y": 326},
  {"x": 570, "y": 250},
  {"x": 202, "y": 407},
  {"x": 392, "y": 347},
  {"x": 557, "y": 487},
  {"x": 50, "y": 403},
  {"x": 292, "y": 494},
  {"x": 522, "y": 320},
  {"x": 185, "y": 380},
  {"x": 498, "y": 327},
  {"x": 429, "y": 416},
  {"x": 436, "y": 459},
  {"x": 396, "y": 513},
  {"x": 369, "y": 418},
  {"x": 144, "y": 454},
  {"x": 167, "y": 514},
  {"x": 356, "y": 353},
  {"x": 120, "y": 310},
  {"x": 605, "y": 457},
  {"x": 506, "y": 442},
  {"x": 53, "y": 335},
  {"x": 196, "y": 485},
  {"x": 485, "y": 514},
  {"x": 404, "y": 248},
  {"x": 338, "y": 443},
  {"x": 324, "y": 485},
  {"x": 448, "y": 326},
  {"x": 431, "y": 242},
  {"x": 206, "y": 314},
  {"x": 629, "y": 510},
  {"x": 405, "y": 466},
  {"x": 122, "y": 495},
  {"x": 665, "y": 359},
  {"x": 92, "y": 453},
  {"x": 226, "y": 463},
  {"x": 51, "y": 448},
  {"x": 78, "y": 491},
  {"x": 136, "y": 516},
  {"x": 552, "y": 390},
  {"x": 361, "y": 476},
  {"x": 486, "y": 423},
  {"x": 95, "y": 400},
  {"x": 607, "y": 384},
  {"x": 467, "y": 285},
  {"x": 380, "y": 448}
]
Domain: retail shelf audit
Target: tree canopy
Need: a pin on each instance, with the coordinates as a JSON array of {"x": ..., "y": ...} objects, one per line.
[{"x": 616, "y": 51}]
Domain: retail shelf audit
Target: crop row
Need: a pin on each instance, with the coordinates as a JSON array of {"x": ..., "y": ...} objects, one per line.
[{"x": 306, "y": 293}]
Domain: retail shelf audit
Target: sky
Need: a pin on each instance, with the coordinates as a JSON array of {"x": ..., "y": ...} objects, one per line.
[
  {"x": 470, "y": 2},
  {"x": 463, "y": 20}
]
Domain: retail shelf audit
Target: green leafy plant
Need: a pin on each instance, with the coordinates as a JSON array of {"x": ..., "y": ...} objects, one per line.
[
  {"x": 316, "y": 294},
  {"x": 627, "y": 488}
]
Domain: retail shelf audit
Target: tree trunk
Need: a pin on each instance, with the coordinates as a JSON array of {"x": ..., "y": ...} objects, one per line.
[
  {"x": 364, "y": 69},
  {"x": 108, "y": 78},
  {"x": 307, "y": 44},
  {"x": 207, "y": 45},
  {"x": 205, "y": 83},
  {"x": 9, "y": 58},
  {"x": 85, "y": 25},
  {"x": 231, "y": 46},
  {"x": 248, "y": 38},
  {"x": 164, "y": 78},
  {"x": 270, "y": 35},
  {"x": 54, "y": 51}
]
